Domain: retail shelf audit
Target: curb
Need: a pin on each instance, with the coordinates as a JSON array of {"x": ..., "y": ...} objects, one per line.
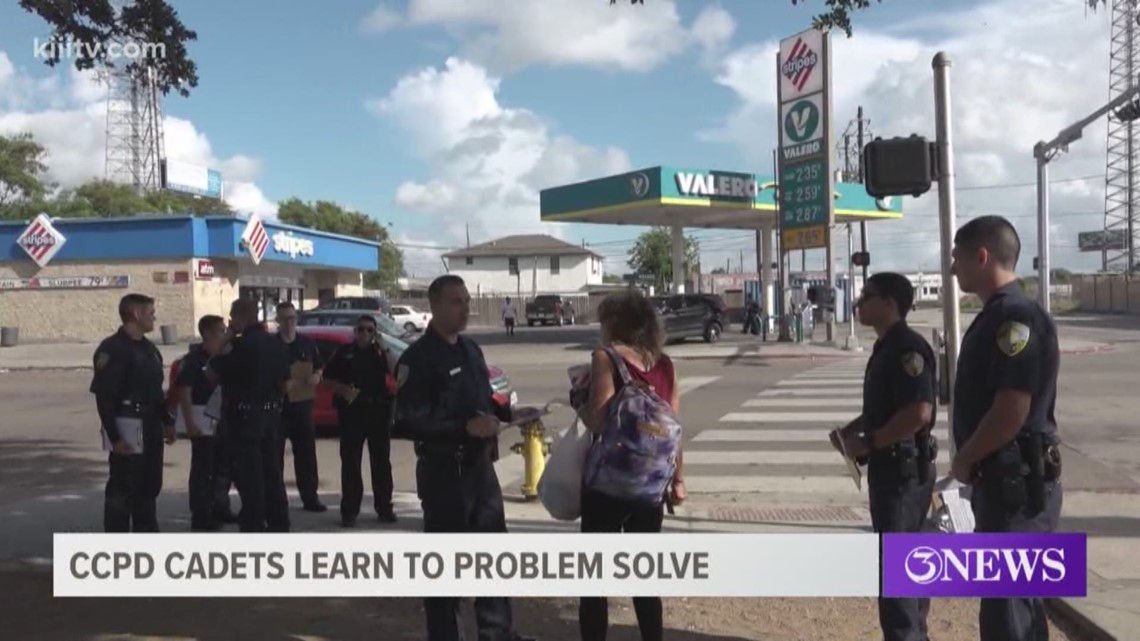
[{"x": 1070, "y": 616}]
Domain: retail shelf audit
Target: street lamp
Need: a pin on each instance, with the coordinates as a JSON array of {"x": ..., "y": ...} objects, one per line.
[{"x": 1126, "y": 108}]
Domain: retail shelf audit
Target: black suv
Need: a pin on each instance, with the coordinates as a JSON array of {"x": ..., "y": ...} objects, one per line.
[{"x": 689, "y": 315}]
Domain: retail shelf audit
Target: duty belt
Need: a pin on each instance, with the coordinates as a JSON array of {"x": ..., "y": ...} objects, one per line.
[
  {"x": 267, "y": 406},
  {"x": 136, "y": 409}
]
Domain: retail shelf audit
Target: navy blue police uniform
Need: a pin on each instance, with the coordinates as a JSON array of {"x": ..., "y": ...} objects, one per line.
[
  {"x": 900, "y": 477},
  {"x": 297, "y": 425},
  {"x": 253, "y": 376},
  {"x": 209, "y": 469},
  {"x": 1012, "y": 345},
  {"x": 441, "y": 387},
  {"x": 366, "y": 420},
  {"x": 127, "y": 385}
]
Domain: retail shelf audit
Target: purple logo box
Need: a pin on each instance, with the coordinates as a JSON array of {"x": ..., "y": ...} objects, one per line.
[{"x": 984, "y": 565}]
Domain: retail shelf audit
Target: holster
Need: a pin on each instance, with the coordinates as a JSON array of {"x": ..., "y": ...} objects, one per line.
[
  {"x": 1020, "y": 470},
  {"x": 927, "y": 447},
  {"x": 1032, "y": 449}
]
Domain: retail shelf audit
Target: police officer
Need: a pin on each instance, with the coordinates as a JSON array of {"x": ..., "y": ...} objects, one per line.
[
  {"x": 297, "y": 416},
  {"x": 253, "y": 370},
  {"x": 1004, "y": 424},
  {"x": 127, "y": 385},
  {"x": 207, "y": 465},
  {"x": 357, "y": 374},
  {"x": 893, "y": 433},
  {"x": 444, "y": 405}
]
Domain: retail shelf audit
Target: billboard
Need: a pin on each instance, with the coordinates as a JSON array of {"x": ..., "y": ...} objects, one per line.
[
  {"x": 1095, "y": 241},
  {"x": 191, "y": 179}
]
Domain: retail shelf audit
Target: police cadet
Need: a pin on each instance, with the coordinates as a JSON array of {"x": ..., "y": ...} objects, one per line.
[
  {"x": 444, "y": 405},
  {"x": 127, "y": 385},
  {"x": 207, "y": 466},
  {"x": 297, "y": 416},
  {"x": 1004, "y": 425},
  {"x": 893, "y": 434},
  {"x": 253, "y": 370},
  {"x": 357, "y": 374}
]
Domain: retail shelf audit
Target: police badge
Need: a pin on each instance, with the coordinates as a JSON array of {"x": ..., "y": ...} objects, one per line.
[
  {"x": 1012, "y": 337},
  {"x": 913, "y": 364},
  {"x": 101, "y": 360}
]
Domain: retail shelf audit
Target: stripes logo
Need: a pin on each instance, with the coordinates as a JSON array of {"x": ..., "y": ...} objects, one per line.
[
  {"x": 799, "y": 65},
  {"x": 41, "y": 240},
  {"x": 256, "y": 239}
]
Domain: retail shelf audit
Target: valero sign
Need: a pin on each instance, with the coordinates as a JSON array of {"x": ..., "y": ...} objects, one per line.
[
  {"x": 801, "y": 124},
  {"x": 709, "y": 185}
]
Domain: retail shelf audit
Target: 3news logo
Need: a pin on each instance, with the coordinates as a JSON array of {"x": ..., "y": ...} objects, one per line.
[{"x": 984, "y": 565}]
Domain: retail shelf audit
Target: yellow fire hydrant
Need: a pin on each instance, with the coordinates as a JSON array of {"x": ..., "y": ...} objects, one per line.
[{"x": 533, "y": 448}]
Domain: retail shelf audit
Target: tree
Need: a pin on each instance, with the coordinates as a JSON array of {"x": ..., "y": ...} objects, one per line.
[
  {"x": 92, "y": 33},
  {"x": 652, "y": 254},
  {"x": 838, "y": 14},
  {"x": 330, "y": 217},
  {"x": 21, "y": 168}
]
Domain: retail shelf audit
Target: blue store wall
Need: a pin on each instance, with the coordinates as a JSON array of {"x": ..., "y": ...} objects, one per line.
[{"x": 172, "y": 237}]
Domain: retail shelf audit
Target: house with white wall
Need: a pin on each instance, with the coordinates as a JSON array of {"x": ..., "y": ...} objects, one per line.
[{"x": 525, "y": 265}]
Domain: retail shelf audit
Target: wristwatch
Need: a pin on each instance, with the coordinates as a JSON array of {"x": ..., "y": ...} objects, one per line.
[{"x": 868, "y": 439}]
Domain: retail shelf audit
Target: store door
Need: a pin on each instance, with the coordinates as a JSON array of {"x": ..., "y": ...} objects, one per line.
[{"x": 267, "y": 299}]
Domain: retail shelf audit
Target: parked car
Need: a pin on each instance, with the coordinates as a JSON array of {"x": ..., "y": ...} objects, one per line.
[
  {"x": 329, "y": 338},
  {"x": 359, "y": 303},
  {"x": 550, "y": 309},
  {"x": 691, "y": 315},
  {"x": 410, "y": 318},
  {"x": 347, "y": 318}
]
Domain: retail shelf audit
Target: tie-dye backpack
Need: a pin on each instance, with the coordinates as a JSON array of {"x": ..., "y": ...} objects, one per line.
[{"x": 635, "y": 456}]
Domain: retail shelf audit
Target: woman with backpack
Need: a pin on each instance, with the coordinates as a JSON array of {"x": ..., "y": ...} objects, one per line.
[{"x": 632, "y": 383}]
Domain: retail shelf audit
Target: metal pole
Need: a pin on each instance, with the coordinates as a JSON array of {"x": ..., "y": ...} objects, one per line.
[
  {"x": 1042, "y": 225},
  {"x": 947, "y": 217},
  {"x": 862, "y": 223},
  {"x": 849, "y": 295}
]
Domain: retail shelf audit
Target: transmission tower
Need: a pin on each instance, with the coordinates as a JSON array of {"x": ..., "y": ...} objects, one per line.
[
  {"x": 135, "y": 143},
  {"x": 1121, "y": 205},
  {"x": 849, "y": 149}
]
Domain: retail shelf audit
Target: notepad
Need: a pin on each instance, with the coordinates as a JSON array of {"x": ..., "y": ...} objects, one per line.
[
  {"x": 213, "y": 407},
  {"x": 206, "y": 425},
  {"x": 130, "y": 431}
]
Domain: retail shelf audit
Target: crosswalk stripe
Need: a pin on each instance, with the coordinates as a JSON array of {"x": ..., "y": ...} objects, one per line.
[
  {"x": 791, "y": 417},
  {"x": 777, "y": 457},
  {"x": 689, "y": 383},
  {"x": 803, "y": 435},
  {"x": 853, "y": 401},
  {"x": 808, "y": 391},
  {"x": 772, "y": 485},
  {"x": 836, "y": 382}
]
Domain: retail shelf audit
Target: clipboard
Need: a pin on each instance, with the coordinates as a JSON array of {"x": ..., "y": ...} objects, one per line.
[
  {"x": 530, "y": 417},
  {"x": 206, "y": 424},
  {"x": 852, "y": 466},
  {"x": 213, "y": 407},
  {"x": 130, "y": 430}
]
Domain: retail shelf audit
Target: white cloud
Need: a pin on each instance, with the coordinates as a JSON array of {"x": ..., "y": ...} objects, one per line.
[
  {"x": 1022, "y": 70},
  {"x": 488, "y": 161},
  {"x": 382, "y": 18},
  {"x": 66, "y": 113},
  {"x": 560, "y": 32}
]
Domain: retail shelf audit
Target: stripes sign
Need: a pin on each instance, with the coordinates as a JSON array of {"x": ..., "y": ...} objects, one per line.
[{"x": 41, "y": 240}]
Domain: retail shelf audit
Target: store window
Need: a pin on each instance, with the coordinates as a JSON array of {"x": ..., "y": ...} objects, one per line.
[
  {"x": 513, "y": 266},
  {"x": 267, "y": 299},
  {"x": 555, "y": 265}
]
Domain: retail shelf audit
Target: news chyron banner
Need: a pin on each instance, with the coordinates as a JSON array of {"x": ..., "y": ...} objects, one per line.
[{"x": 568, "y": 565}]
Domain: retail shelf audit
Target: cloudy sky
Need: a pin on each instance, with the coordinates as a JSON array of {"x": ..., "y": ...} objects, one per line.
[{"x": 440, "y": 116}]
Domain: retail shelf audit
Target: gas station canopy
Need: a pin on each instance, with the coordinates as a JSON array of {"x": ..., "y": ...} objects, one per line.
[{"x": 694, "y": 198}]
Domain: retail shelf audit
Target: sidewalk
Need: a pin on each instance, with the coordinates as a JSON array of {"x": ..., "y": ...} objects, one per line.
[{"x": 80, "y": 355}]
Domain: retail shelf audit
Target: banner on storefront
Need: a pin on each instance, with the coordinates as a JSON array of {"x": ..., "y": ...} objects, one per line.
[{"x": 67, "y": 282}]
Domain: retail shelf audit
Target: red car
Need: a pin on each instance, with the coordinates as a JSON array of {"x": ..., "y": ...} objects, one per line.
[{"x": 329, "y": 337}]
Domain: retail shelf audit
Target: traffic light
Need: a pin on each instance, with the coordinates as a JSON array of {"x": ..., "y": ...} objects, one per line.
[
  {"x": 898, "y": 166},
  {"x": 861, "y": 259}
]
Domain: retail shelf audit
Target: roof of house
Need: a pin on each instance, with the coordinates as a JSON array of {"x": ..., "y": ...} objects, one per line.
[{"x": 523, "y": 245}]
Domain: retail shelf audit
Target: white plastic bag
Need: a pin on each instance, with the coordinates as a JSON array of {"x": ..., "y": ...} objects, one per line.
[{"x": 560, "y": 488}]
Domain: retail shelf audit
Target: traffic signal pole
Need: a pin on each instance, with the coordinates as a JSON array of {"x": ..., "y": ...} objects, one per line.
[{"x": 944, "y": 146}]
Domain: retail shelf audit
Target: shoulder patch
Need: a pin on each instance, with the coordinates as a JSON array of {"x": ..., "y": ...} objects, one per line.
[
  {"x": 101, "y": 359},
  {"x": 1012, "y": 337},
  {"x": 913, "y": 364},
  {"x": 402, "y": 372}
]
